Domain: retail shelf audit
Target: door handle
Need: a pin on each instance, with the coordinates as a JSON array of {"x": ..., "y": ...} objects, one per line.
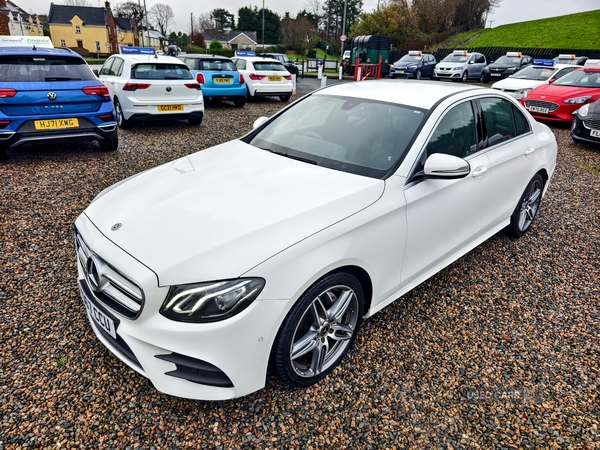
[
  {"x": 529, "y": 151},
  {"x": 479, "y": 171}
]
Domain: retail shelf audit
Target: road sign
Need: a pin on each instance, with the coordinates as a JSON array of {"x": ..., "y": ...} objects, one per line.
[
  {"x": 107, "y": 44},
  {"x": 343, "y": 37}
]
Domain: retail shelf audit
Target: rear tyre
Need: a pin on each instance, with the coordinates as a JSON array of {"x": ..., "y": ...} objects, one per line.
[
  {"x": 239, "y": 102},
  {"x": 3, "y": 155},
  {"x": 525, "y": 212},
  {"x": 121, "y": 120},
  {"x": 284, "y": 98},
  {"x": 195, "y": 121},
  {"x": 319, "y": 330},
  {"x": 110, "y": 144}
]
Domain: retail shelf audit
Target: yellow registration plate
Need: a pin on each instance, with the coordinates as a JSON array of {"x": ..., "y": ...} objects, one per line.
[
  {"x": 222, "y": 80},
  {"x": 163, "y": 108},
  {"x": 53, "y": 124},
  {"x": 274, "y": 78}
]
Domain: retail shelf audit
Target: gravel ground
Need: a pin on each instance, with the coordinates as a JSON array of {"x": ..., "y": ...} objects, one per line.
[{"x": 499, "y": 350}]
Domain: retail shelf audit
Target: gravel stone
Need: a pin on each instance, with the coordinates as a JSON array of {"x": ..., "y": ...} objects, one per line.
[{"x": 499, "y": 350}]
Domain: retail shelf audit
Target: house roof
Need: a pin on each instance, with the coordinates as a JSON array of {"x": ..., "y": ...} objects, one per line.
[
  {"x": 62, "y": 14},
  {"x": 125, "y": 23},
  {"x": 16, "y": 11},
  {"x": 228, "y": 36}
]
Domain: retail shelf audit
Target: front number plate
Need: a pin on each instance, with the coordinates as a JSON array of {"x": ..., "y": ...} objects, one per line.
[
  {"x": 595, "y": 133},
  {"x": 54, "y": 124},
  {"x": 100, "y": 319},
  {"x": 163, "y": 108},
  {"x": 274, "y": 78},
  {"x": 495, "y": 74},
  {"x": 538, "y": 109}
]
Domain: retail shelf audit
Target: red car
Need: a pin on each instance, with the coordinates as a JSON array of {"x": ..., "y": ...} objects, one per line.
[{"x": 560, "y": 100}]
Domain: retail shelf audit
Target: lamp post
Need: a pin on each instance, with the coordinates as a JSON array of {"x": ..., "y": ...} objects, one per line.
[{"x": 343, "y": 29}]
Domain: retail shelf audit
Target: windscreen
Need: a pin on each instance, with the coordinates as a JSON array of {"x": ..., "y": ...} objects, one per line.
[
  {"x": 218, "y": 65},
  {"x": 43, "y": 68},
  {"x": 410, "y": 58},
  {"x": 456, "y": 58},
  {"x": 508, "y": 60},
  {"x": 534, "y": 73},
  {"x": 353, "y": 135},
  {"x": 158, "y": 71},
  {"x": 580, "y": 78}
]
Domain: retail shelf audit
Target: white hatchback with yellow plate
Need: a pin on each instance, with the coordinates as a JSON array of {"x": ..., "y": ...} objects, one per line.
[
  {"x": 265, "y": 77},
  {"x": 147, "y": 86}
]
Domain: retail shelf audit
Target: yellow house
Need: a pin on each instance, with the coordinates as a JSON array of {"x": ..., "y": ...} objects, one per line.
[
  {"x": 126, "y": 31},
  {"x": 87, "y": 30}
]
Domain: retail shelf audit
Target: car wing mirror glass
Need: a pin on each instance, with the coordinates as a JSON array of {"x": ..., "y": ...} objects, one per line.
[
  {"x": 258, "y": 122},
  {"x": 441, "y": 165}
]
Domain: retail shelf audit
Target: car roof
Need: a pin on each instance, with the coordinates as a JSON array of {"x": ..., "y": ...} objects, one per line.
[
  {"x": 258, "y": 58},
  {"x": 204, "y": 56},
  {"x": 419, "y": 94},
  {"x": 29, "y": 51},
  {"x": 150, "y": 58}
]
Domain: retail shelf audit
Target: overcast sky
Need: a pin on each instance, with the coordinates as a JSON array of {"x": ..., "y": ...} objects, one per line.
[{"x": 510, "y": 11}]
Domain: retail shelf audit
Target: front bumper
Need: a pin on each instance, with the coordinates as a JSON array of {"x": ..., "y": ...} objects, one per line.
[
  {"x": 562, "y": 114},
  {"x": 447, "y": 74},
  {"x": 179, "y": 358},
  {"x": 403, "y": 73},
  {"x": 581, "y": 132}
]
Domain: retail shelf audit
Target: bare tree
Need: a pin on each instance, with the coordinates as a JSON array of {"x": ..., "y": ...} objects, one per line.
[
  {"x": 77, "y": 3},
  {"x": 204, "y": 22},
  {"x": 161, "y": 16}
]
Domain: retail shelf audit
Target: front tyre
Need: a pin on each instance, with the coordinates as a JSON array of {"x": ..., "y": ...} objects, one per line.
[
  {"x": 319, "y": 330},
  {"x": 464, "y": 77},
  {"x": 525, "y": 212},
  {"x": 418, "y": 74}
]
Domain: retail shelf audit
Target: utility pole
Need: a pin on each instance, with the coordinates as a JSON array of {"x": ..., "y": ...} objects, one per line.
[
  {"x": 344, "y": 29},
  {"x": 137, "y": 25},
  {"x": 263, "y": 27},
  {"x": 147, "y": 26},
  {"x": 192, "y": 28},
  {"x": 491, "y": 22}
]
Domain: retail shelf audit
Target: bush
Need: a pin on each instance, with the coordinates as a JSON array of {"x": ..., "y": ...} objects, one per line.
[{"x": 215, "y": 45}]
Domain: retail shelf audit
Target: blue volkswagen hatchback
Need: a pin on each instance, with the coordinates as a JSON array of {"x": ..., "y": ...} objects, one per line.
[
  {"x": 218, "y": 76},
  {"x": 50, "y": 95}
]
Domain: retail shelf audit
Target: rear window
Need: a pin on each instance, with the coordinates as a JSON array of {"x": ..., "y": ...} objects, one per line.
[
  {"x": 155, "y": 71},
  {"x": 43, "y": 68},
  {"x": 217, "y": 65},
  {"x": 265, "y": 65}
]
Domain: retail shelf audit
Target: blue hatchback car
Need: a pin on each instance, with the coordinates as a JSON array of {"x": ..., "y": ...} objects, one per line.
[
  {"x": 50, "y": 95},
  {"x": 414, "y": 64},
  {"x": 218, "y": 76}
]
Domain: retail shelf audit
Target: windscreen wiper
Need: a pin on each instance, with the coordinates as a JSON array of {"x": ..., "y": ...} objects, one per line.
[{"x": 299, "y": 158}]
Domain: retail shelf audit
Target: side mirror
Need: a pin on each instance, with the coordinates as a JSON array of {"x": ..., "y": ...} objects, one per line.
[
  {"x": 440, "y": 165},
  {"x": 551, "y": 80},
  {"x": 471, "y": 62},
  {"x": 96, "y": 72},
  {"x": 258, "y": 122}
]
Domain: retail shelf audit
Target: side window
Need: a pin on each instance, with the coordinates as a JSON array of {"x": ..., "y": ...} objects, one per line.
[
  {"x": 189, "y": 62},
  {"x": 480, "y": 59},
  {"x": 117, "y": 67},
  {"x": 561, "y": 73},
  {"x": 240, "y": 64},
  {"x": 105, "y": 69},
  {"x": 521, "y": 123},
  {"x": 497, "y": 114},
  {"x": 454, "y": 135}
]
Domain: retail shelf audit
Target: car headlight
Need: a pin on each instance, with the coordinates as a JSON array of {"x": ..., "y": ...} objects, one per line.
[
  {"x": 457, "y": 68},
  {"x": 412, "y": 67},
  {"x": 583, "y": 111},
  {"x": 522, "y": 91},
  {"x": 211, "y": 301},
  {"x": 511, "y": 69},
  {"x": 578, "y": 100}
]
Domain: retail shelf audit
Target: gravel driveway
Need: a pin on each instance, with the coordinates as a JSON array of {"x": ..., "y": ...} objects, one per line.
[{"x": 499, "y": 350}]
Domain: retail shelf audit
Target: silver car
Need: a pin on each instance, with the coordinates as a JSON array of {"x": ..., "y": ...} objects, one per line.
[{"x": 461, "y": 65}]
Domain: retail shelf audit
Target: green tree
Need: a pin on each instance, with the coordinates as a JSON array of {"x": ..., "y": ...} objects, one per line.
[
  {"x": 250, "y": 19},
  {"x": 215, "y": 45},
  {"x": 223, "y": 18},
  {"x": 131, "y": 9}
]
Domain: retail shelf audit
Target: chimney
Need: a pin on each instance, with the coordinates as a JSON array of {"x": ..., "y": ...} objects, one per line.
[
  {"x": 3, "y": 3},
  {"x": 106, "y": 5}
]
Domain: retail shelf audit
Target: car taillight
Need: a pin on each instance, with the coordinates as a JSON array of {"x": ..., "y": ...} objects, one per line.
[
  {"x": 135, "y": 86},
  {"x": 7, "y": 93},
  {"x": 256, "y": 77},
  {"x": 288, "y": 77},
  {"x": 107, "y": 118},
  {"x": 3, "y": 123},
  {"x": 193, "y": 86},
  {"x": 242, "y": 81},
  {"x": 100, "y": 91},
  {"x": 200, "y": 78}
]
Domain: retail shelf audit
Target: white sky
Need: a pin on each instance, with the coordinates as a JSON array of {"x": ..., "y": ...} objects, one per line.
[{"x": 510, "y": 11}]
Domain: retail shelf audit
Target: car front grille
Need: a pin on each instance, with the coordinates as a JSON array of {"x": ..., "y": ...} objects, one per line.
[
  {"x": 541, "y": 104},
  {"x": 108, "y": 285},
  {"x": 592, "y": 124}
]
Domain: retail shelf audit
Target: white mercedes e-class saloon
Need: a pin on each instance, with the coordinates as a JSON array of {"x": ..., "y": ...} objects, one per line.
[{"x": 267, "y": 252}]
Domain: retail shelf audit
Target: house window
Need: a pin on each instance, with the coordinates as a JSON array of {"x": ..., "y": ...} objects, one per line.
[
  {"x": 97, "y": 46},
  {"x": 77, "y": 29},
  {"x": 63, "y": 43}
]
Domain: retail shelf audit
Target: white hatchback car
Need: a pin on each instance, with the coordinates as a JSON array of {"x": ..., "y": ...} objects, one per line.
[
  {"x": 270, "y": 250},
  {"x": 145, "y": 87},
  {"x": 265, "y": 77},
  {"x": 531, "y": 77}
]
